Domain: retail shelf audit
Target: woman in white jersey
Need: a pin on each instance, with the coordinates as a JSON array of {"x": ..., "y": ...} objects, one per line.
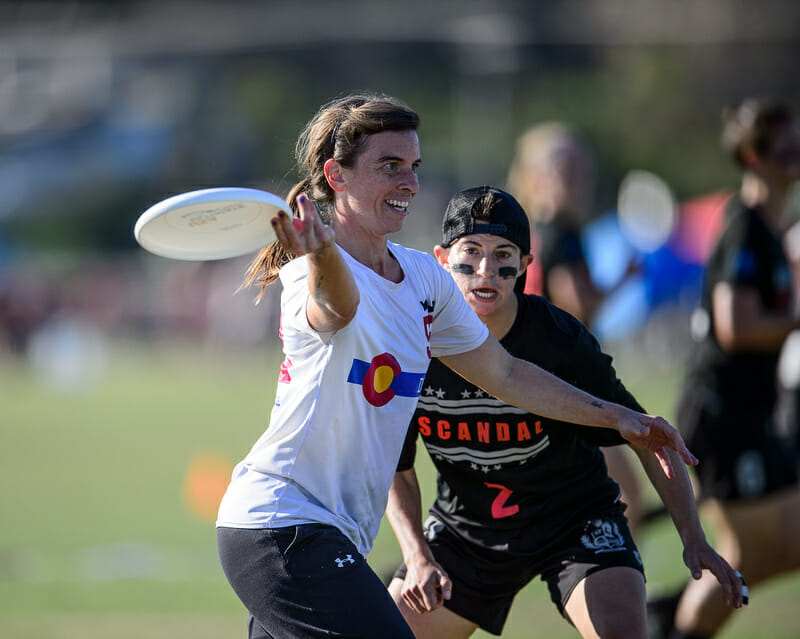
[{"x": 361, "y": 318}]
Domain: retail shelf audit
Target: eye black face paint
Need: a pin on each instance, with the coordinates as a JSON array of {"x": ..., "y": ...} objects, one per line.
[
  {"x": 464, "y": 269},
  {"x": 507, "y": 272},
  {"x": 504, "y": 272}
]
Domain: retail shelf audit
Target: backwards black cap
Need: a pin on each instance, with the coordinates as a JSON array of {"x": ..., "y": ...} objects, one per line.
[{"x": 485, "y": 209}]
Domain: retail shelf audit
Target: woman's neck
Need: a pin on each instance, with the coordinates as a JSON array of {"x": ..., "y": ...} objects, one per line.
[
  {"x": 501, "y": 321},
  {"x": 771, "y": 200},
  {"x": 371, "y": 251}
]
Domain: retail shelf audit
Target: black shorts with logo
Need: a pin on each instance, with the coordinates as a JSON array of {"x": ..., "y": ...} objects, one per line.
[
  {"x": 741, "y": 454},
  {"x": 485, "y": 581},
  {"x": 307, "y": 581}
]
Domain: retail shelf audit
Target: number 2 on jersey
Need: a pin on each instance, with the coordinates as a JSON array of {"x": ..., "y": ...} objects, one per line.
[{"x": 499, "y": 508}]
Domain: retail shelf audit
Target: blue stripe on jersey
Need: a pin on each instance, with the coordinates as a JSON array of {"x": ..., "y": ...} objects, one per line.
[{"x": 403, "y": 384}]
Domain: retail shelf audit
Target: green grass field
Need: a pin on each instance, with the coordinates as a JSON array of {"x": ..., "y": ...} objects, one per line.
[{"x": 99, "y": 541}]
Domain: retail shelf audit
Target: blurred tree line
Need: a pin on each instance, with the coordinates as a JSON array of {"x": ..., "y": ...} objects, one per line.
[{"x": 106, "y": 108}]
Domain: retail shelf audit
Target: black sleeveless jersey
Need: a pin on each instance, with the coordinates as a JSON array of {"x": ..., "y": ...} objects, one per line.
[
  {"x": 508, "y": 479},
  {"x": 747, "y": 254}
]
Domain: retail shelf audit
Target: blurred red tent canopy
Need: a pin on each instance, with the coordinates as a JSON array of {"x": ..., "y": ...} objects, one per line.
[{"x": 699, "y": 225}]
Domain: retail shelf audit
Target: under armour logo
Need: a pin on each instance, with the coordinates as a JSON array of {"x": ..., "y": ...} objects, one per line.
[
  {"x": 347, "y": 559},
  {"x": 428, "y": 306}
]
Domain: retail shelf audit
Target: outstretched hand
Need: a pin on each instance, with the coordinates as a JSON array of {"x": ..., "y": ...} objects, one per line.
[
  {"x": 701, "y": 557},
  {"x": 655, "y": 434},
  {"x": 306, "y": 234}
]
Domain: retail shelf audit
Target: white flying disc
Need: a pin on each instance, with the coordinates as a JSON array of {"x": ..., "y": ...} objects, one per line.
[{"x": 210, "y": 224}]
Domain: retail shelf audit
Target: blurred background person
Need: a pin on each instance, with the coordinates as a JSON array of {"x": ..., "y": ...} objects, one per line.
[
  {"x": 747, "y": 476},
  {"x": 552, "y": 175}
]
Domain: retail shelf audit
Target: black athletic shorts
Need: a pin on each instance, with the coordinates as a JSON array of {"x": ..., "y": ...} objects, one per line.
[
  {"x": 741, "y": 454},
  {"x": 787, "y": 418},
  {"x": 307, "y": 581},
  {"x": 486, "y": 581}
]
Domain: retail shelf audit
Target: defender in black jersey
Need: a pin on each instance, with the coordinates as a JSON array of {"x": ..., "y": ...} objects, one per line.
[
  {"x": 519, "y": 495},
  {"x": 747, "y": 475},
  {"x": 726, "y": 409}
]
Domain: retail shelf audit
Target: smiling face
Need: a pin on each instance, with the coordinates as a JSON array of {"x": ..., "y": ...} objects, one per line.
[
  {"x": 494, "y": 263},
  {"x": 376, "y": 191}
]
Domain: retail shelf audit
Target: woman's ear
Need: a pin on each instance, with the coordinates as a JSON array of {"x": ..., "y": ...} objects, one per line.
[
  {"x": 334, "y": 174},
  {"x": 442, "y": 254}
]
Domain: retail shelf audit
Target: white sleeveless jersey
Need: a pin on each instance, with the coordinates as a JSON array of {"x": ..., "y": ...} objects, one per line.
[{"x": 344, "y": 401}]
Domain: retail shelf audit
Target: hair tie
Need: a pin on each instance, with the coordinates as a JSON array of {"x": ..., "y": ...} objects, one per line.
[{"x": 333, "y": 136}]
